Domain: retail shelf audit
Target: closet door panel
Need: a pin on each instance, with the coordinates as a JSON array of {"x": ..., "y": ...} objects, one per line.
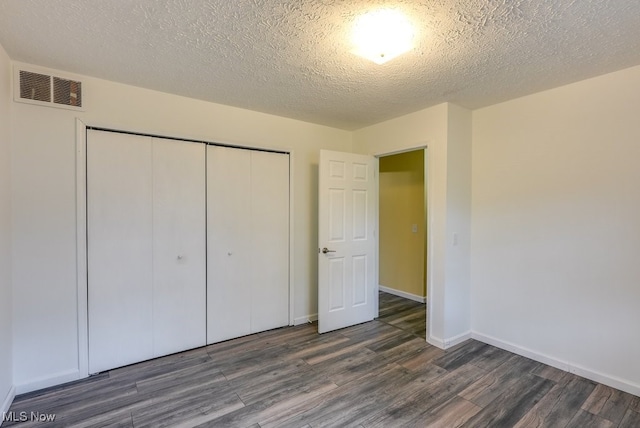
[
  {"x": 179, "y": 246},
  {"x": 270, "y": 240},
  {"x": 228, "y": 243},
  {"x": 119, "y": 244}
]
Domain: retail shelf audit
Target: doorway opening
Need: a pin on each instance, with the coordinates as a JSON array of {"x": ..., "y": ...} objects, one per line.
[{"x": 402, "y": 241}]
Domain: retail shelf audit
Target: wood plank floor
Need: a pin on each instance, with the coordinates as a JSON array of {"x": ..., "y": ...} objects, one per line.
[
  {"x": 403, "y": 313},
  {"x": 371, "y": 375}
]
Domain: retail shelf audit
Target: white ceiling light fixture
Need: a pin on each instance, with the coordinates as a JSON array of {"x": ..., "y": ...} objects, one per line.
[{"x": 382, "y": 35}]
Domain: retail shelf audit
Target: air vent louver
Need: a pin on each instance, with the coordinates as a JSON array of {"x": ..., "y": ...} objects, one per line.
[
  {"x": 48, "y": 90},
  {"x": 35, "y": 86},
  {"x": 67, "y": 92}
]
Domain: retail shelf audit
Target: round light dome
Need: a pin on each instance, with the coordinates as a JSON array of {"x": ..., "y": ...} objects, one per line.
[{"x": 382, "y": 35}]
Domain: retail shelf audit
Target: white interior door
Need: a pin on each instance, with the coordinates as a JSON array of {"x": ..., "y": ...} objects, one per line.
[
  {"x": 119, "y": 244},
  {"x": 229, "y": 273},
  {"x": 346, "y": 257},
  {"x": 179, "y": 246}
]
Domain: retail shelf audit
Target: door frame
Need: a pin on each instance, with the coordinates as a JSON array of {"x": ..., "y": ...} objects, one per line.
[
  {"x": 81, "y": 231},
  {"x": 428, "y": 226}
]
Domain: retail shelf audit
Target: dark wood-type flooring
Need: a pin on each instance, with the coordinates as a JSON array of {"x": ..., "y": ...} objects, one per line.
[
  {"x": 371, "y": 375},
  {"x": 403, "y": 313}
]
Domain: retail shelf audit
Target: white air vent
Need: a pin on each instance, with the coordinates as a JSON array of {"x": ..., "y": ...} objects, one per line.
[{"x": 42, "y": 88}]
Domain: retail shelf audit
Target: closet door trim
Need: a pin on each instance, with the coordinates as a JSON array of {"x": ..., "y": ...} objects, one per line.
[
  {"x": 81, "y": 252},
  {"x": 191, "y": 140}
]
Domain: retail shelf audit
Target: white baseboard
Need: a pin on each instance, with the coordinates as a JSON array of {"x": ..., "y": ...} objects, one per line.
[
  {"x": 567, "y": 366},
  {"x": 525, "y": 352},
  {"x": 456, "y": 340},
  {"x": 449, "y": 342},
  {"x": 46, "y": 382},
  {"x": 435, "y": 341},
  {"x": 404, "y": 294},
  {"x": 305, "y": 319},
  {"x": 612, "y": 381},
  {"x": 6, "y": 404}
]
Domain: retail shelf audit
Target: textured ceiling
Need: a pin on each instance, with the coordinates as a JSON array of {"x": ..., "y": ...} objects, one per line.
[{"x": 292, "y": 58}]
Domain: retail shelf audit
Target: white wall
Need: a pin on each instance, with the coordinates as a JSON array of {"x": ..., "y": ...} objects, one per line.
[
  {"x": 458, "y": 262},
  {"x": 447, "y": 185},
  {"x": 44, "y": 225},
  {"x": 6, "y": 348},
  {"x": 556, "y": 227}
]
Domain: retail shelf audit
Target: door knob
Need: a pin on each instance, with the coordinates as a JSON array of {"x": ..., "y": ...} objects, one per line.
[{"x": 325, "y": 250}]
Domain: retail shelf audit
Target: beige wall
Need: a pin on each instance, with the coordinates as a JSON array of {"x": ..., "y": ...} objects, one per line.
[
  {"x": 44, "y": 212},
  {"x": 402, "y": 205},
  {"x": 6, "y": 347},
  {"x": 556, "y": 230}
]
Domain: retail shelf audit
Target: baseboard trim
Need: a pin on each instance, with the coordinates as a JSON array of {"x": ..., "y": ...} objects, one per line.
[
  {"x": 6, "y": 404},
  {"x": 525, "y": 352},
  {"x": 456, "y": 340},
  {"x": 305, "y": 319},
  {"x": 435, "y": 341},
  {"x": 404, "y": 294},
  {"x": 567, "y": 366},
  {"x": 604, "y": 379},
  {"x": 449, "y": 342},
  {"x": 46, "y": 382}
]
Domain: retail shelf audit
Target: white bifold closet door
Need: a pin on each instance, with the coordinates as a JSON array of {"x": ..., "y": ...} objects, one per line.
[
  {"x": 179, "y": 246},
  {"x": 247, "y": 242},
  {"x": 146, "y": 248}
]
